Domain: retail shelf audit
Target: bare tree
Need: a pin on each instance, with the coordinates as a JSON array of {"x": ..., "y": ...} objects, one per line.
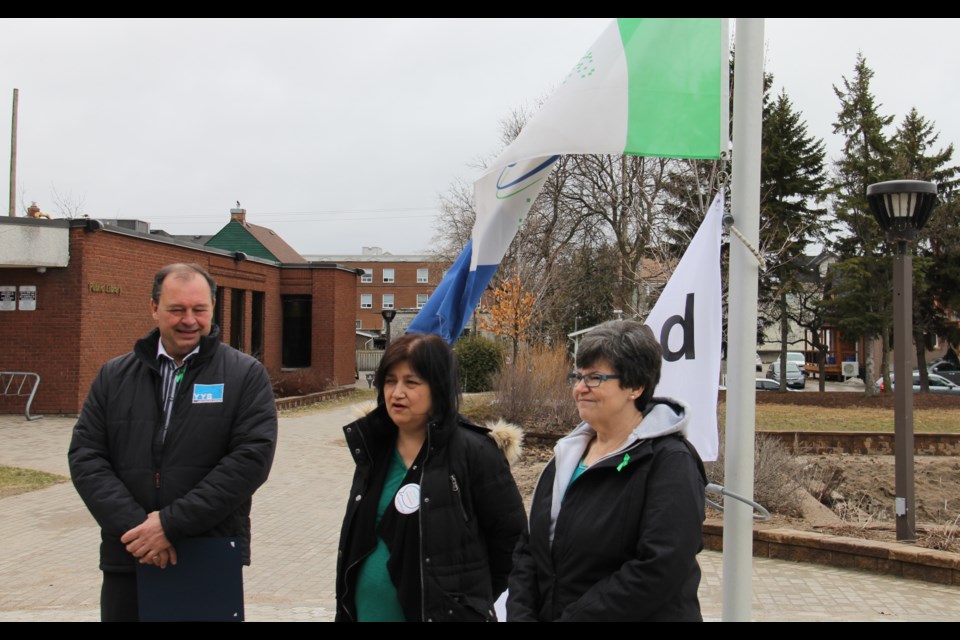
[{"x": 66, "y": 205}]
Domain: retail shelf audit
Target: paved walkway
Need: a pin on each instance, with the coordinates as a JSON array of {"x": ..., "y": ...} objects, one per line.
[{"x": 48, "y": 570}]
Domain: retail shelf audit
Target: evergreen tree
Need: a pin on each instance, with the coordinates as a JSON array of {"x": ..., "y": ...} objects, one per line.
[
  {"x": 935, "y": 269},
  {"x": 792, "y": 177},
  {"x": 867, "y": 158}
]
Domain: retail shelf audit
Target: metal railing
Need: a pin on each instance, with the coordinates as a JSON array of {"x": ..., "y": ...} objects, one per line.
[
  {"x": 20, "y": 383},
  {"x": 368, "y": 359},
  {"x": 761, "y": 513}
]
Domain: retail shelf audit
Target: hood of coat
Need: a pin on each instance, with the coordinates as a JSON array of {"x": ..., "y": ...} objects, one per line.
[
  {"x": 662, "y": 417},
  {"x": 508, "y": 437}
]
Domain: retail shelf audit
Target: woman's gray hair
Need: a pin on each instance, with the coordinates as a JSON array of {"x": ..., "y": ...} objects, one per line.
[{"x": 631, "y": 349}]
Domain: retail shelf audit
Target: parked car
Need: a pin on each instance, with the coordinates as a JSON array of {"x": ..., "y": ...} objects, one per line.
[
  {"x": 796, "y": 379},
  {"x": 946, "y": 369},
  {"x": 938, "y": 384},
  {"x": 797, "y": 357},
  {"x": 764, "y": 384}
]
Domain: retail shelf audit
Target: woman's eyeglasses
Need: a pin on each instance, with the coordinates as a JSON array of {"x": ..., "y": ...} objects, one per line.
[{"x": 592, "y": 380}]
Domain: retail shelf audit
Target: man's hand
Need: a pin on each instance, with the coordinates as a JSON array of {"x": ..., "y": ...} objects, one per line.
[{"x": 148, "y": 543}]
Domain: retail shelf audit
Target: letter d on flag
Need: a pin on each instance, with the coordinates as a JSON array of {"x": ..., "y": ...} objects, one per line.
[{"x": 688, "y": 320}]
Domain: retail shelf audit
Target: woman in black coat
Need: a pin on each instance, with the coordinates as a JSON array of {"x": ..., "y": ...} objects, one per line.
[
  {"x": 433, "y": 513},
  {"x": 615, "y": 524}
]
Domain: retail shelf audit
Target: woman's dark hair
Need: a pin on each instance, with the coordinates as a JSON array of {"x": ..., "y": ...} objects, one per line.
[
  {"x": 433, "y": 360},
  {"x": 631, "y": 349}
]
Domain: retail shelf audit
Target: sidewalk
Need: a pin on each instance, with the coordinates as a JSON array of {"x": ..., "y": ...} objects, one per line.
[{"x": 49, "y": 568}]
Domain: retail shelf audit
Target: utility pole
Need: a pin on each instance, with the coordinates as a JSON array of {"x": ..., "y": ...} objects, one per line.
[{"x": 13, "y": 156}]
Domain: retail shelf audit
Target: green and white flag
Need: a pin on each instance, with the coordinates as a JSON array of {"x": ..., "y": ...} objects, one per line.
[{"x": 648, "y": 86}]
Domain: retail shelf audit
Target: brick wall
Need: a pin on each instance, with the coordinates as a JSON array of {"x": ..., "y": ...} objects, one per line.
[
  {"x": 404, "y": 287},
  {"x": 98, "y": 306},
  {"x": 43, "y": 341}
]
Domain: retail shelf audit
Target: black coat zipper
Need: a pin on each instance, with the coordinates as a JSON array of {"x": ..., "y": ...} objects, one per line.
[
  {"x": 355, "y": 563},
  {"x": 455, "y": 487}
]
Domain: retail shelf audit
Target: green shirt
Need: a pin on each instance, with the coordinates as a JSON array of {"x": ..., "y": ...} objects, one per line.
[{"x": 376, "y": 598}]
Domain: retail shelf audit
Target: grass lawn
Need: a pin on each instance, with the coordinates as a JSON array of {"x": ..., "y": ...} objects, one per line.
[
  {"x": 788, "y": 417},
  {"x": 14, "y": 480},
  {"x": 770, "y": 416}
]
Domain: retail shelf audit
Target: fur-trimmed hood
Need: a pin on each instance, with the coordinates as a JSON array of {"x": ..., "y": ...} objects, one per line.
[{"x": 508, "y": 436}]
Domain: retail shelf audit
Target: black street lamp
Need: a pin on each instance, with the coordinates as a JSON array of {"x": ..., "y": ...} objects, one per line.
[
  {"x": 388, "y": 316},
  {"x": 901, "y": 208}
]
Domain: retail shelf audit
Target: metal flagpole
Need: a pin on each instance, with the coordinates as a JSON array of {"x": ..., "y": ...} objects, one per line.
[{"x": 742, "y": 320}]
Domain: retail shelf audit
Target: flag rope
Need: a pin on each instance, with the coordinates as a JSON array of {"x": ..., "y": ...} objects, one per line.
[{"x": 752, "y": 249}]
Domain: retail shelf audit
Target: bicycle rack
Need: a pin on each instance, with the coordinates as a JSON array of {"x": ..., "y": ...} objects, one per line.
[{"x": 20, "y": 383}]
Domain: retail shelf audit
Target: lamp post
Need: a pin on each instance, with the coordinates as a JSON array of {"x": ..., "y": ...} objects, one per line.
[
  {"x": 901, "y": 208},
  {"x": 388, "y": 316}
]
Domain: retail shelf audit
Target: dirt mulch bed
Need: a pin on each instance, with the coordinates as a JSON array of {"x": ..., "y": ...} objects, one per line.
[{"x": 858, "y": 490}]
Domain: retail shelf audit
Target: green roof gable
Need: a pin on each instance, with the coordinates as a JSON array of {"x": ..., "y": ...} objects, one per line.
[{"x": 235, "y": 237}]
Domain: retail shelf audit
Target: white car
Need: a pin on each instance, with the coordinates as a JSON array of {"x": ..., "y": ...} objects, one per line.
[{"x": 938, "y": 384}]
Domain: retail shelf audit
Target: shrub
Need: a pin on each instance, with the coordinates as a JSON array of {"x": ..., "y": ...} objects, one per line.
[
  {"x": 533, "y": 390},
  {"x": 479, "y": 360},
  {"x": 778, "y": 477}
]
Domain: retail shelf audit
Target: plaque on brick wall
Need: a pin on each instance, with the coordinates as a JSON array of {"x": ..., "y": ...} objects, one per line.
[
  {"x": 28, "y": 298},
  {"x": 8, "y": 298}
]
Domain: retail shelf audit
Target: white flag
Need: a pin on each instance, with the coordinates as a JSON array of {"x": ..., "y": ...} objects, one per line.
[
  {"x": 648, "y": 86},
  {"x": 687, "y": 320}
]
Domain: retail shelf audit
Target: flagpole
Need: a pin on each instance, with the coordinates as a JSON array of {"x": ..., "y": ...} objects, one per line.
[{"x": 742, "y": 321}]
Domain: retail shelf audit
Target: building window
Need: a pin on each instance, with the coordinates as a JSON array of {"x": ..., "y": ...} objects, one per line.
[
  {"x": 237, "y": 297},
  {"x": 366, "y": 301},
  {"x": 358, "y": 324},
  {"x": 423, "y": 276},
  {"x": 422, "y": 300},
  {"x": 388, "y": 275},
  {"x": 256, "y": 325},
  {"x": 388, "y": 301},
  {"x": 218, "y": 308},
  {"x": 297, "y": 310},
  {"x": 367, "y": 276}
]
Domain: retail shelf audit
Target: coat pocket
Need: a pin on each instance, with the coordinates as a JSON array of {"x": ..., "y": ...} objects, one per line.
[
  {"x": 458, "y": 607},
  {"x": 458, "y": 497}
]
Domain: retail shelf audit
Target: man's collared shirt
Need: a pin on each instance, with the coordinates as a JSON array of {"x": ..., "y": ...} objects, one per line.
[{"x": 172, "y": 375}]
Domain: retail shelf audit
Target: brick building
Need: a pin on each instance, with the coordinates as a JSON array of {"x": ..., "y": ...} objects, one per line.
[
  {"x": 74, "y": 293},
  {"x": 388, "y": 281}
]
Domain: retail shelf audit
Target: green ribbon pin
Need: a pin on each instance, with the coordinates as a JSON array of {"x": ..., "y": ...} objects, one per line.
[{"x": 626, "y": 459}]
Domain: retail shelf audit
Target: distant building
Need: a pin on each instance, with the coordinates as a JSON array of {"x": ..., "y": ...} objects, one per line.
[
  {"x": 388, "y": 281},
  {"x": 75, "y": 293},
  {"x": 844, "y": 356},
  {"x": 254, "y": 240}
]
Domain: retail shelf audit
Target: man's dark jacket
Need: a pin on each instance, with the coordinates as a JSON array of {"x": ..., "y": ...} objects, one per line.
[{"x": 201, "y": 477}]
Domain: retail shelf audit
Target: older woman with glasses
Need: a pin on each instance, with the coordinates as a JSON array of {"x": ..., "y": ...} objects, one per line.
[{"x": 615, "y": 524}]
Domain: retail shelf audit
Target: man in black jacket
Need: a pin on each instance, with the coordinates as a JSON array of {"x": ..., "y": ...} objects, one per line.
[{"x": 173, "y": 439}]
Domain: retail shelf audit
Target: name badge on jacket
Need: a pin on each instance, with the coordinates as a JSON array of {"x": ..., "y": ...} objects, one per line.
[{"x": 203, "y": 393}]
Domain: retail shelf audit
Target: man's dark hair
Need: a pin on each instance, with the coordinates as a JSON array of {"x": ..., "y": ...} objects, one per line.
[
  {"x": 631, "y": 349},
  {"x": 432, "y": 359},
  {"x": 182, "y": 270}
]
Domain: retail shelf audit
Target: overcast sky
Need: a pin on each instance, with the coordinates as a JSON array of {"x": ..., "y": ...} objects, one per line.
[{"x": 343, "y": 133}]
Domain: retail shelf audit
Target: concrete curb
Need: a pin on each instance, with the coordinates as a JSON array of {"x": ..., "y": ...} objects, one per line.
[{"x": 898, "y": 559}]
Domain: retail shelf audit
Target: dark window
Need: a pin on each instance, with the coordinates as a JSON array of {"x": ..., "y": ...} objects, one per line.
[
  {"x": 218, "y": 309},
  {"x": 256, "y": 325},
  {"x": 297, "y": 315},
  {"x": 237, "y": 297}
]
